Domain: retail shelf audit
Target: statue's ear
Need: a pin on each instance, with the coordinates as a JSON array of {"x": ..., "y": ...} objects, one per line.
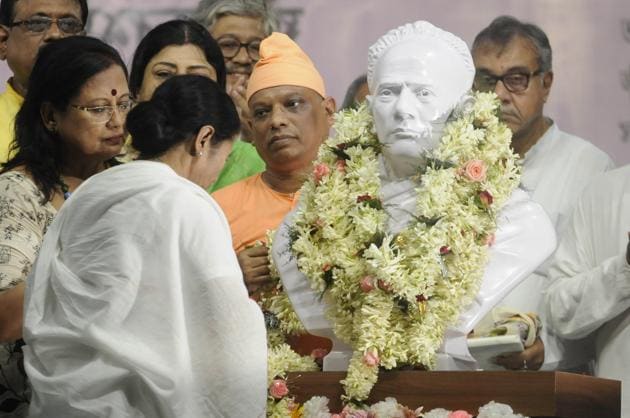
[
  {"x": 463, "y": 106},
  {"x": 369, "y": 99}
]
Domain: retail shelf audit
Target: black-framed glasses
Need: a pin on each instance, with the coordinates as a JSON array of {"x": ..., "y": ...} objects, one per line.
[
  {"x": 515, "y": 82},
  {"x": 40, "y": 24},
  {"x": 103, "y": 114},
  {"x": 230, "y": 47}
]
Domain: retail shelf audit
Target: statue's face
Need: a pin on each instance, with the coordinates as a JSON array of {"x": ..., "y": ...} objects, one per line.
[{"x": 416, "y": 85}]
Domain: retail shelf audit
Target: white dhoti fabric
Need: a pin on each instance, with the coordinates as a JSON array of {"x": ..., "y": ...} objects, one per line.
[{"x": 136, "y": 306}]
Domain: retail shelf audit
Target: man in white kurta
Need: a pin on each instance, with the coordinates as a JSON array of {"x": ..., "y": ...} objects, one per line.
[
  {"x": 555, "y": 172},
  {"x": 589, "y": 294},
  {"x": 514, "y": 59},
  {"x": 136, "y": 306}
]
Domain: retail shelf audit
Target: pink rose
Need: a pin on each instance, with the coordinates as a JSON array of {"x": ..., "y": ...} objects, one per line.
[
  {"x": 278, "y": 388},
  {"x": 364, "y": 198},
  {"x": 485, "y": 198},
  {"x": 320, "y": 171},
  {"x": 292, "y": 406},
  {"x": 490, "y": 240},
  {"x": 459, "y": 414},
  {"x": 349, "y": 412},
  {"x": 371, "y": 358},
  {"x": 475, "y": 170},
  {"x": 367, "y": 284},
  {"x": 335, "y": 416},
  {"x": 445, "y": 250},
  {"x": 341, "y": 166},
  {"x": 409, "y": 413},
  {"x": 319, "y": 353},
  {"x": 386, "y": 287}
]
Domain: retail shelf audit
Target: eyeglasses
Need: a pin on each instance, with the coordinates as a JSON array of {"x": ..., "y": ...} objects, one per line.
[
  {"x": 103, "y": 114},
  {"x": 40, "y": 24},
  {"x": 513, "y": 82},
  {"x": 230, "y": 47}
]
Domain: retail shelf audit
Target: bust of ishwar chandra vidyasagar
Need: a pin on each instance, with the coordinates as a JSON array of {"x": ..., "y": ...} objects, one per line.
[{"x": 419, "y": 78}]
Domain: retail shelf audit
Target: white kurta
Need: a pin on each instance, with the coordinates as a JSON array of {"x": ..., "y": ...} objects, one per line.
[
  {"x": 136, "y": 306},
  {"x": 524, "y": 239},
  {"x": 555, "y": 172},
  {"x": 589, "y": 292}
]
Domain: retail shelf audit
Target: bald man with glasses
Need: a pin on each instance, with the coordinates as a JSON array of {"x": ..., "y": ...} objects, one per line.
[
  {"x": 25, "y": 26},
  {"x": 513, "y": 59}
]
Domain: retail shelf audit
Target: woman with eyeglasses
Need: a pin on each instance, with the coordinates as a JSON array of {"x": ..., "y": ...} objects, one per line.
[
  {"x": 180, "y": 47},
  {"x": 136, "y": 306},
  {"x": 70, "y": 127}
]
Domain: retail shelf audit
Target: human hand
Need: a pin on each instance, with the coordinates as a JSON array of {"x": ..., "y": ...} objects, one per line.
[
  {"x": 254, "y": 263},
  {"x": 236, "y": 88},
  {"x": 11, "y": 313},
  {"x": 531, "y": 358}
]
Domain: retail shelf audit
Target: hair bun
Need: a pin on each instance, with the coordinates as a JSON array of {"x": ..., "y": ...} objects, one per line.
[
  {"x": 176, "y": 112},
  {"x": 148, "y": 124}
]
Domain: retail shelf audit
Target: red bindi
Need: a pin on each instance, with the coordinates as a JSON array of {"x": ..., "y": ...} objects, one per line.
[{"x": 114, "y": 92}]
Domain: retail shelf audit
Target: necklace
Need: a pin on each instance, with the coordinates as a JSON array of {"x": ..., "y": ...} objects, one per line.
[{"x": 392, "y": 296}]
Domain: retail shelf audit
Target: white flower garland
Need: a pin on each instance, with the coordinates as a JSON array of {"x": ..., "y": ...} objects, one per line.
[
  {"x": 281, "y": 359},
  {"x": 281, "y": 318},
  {"x": 392, "y": 297},
  {"x": 317, "y": 407}
]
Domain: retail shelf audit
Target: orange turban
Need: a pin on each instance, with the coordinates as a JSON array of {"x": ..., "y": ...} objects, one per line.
[{"x": 283, "y": 63}]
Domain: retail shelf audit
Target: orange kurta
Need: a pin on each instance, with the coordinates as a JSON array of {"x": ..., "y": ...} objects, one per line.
[{"x": 252, "y": 208}]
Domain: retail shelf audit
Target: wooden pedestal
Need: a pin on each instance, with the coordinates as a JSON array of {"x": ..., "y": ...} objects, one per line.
[{"x": 536, "y": 394}]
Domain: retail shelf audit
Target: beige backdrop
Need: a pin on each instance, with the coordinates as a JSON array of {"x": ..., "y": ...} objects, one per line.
[{"x": 590, "y": 40}]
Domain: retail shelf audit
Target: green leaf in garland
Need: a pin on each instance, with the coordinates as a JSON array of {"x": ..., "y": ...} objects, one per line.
[{"x": 438, "y": 164}]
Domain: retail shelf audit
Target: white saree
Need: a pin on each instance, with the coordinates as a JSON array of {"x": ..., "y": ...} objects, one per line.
[{"x": 136, "y": 306}]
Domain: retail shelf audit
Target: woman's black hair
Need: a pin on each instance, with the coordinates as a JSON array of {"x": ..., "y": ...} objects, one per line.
[
  {"x": 62, "y": 68},
  {"x": 176, "y": 112},
  {"x": 174, "y": 32}
]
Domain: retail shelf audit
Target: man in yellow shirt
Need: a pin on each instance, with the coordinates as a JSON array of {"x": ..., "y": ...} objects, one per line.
[{"x": 25, "y": 26}]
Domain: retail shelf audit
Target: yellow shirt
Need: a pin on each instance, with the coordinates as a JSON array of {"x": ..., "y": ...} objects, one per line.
[
  {"x": 10, "y": 103},
  {"x": 252, "y": 208}
]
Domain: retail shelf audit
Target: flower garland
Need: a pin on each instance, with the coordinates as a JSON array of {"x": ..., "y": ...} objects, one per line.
[
  {"x": 280, "y": 317},
  {"x": 392, "y": 297},
  {"x": 317, "y": 407},
  {"x": 281, "y": 321},
  {"x": 281, "y": 359}
]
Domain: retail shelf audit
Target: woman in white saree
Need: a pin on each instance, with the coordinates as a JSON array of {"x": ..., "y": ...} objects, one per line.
[{"x": 136, "y": 306}]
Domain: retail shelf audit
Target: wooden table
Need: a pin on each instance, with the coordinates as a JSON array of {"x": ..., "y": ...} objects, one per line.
[{"x": 536, "y": 394}]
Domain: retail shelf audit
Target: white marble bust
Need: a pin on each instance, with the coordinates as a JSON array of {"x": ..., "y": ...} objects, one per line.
[{"x": 417, "y": 76}]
